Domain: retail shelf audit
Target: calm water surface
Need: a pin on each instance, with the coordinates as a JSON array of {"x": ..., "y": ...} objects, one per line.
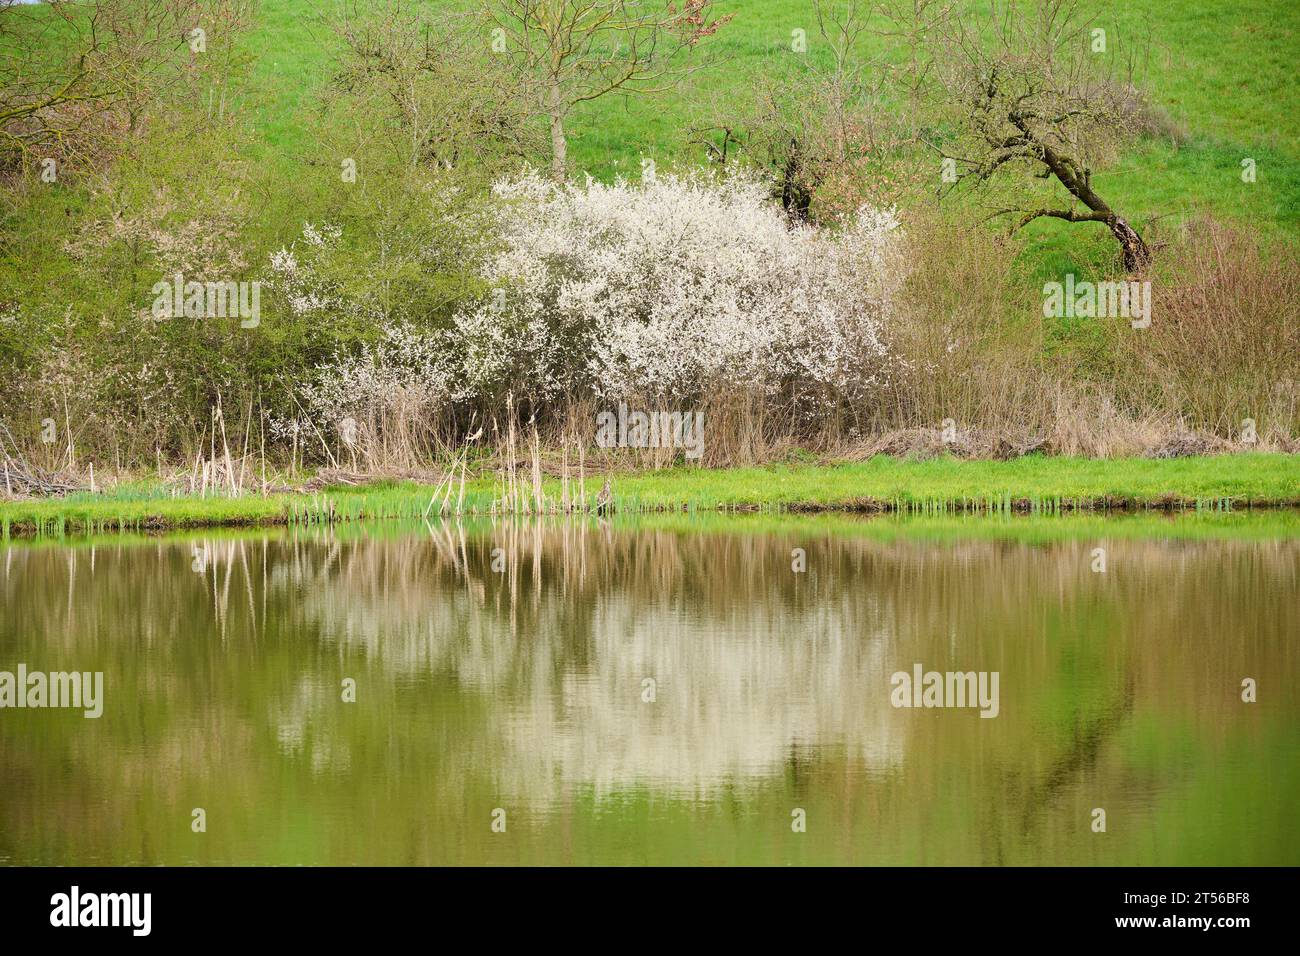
[{"x": 666, "y": 691}]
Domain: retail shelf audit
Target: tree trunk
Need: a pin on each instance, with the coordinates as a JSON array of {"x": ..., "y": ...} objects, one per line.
[
  {"x": 795, "y": 197},
  {"x": 1137, "y": 256},
  {"x": 1133, "y": 249},
  {"x": 1136, "y": 253},
  {"x": 559, "y": 146}
]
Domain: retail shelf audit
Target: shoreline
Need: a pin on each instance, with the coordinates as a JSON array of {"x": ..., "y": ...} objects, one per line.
[{"x": 881, "y": 485}]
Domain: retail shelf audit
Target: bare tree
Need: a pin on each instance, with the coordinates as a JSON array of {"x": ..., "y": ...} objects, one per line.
[
  {"x": 579, "y": 50},
  {"x": 1042, "y": 95},
  {"x": 905, "y": 27},
  {"x": 823, "y": 120},
  {"x": 72, "y": 71},
  {"x": 425, "y": 83},
  {"x": 848, "y": 81}
]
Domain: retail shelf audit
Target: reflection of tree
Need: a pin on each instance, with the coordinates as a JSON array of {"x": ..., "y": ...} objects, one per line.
[{"x": 1079, "y": 757}]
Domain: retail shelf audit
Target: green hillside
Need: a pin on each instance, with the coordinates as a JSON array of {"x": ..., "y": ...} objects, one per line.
[{"x": 1225, "y": 71}]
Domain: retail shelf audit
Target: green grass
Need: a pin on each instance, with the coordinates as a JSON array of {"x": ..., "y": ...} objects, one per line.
[
  {"x": 1034, "y": 479},
  {"x": 1275, "y": 524},
  {"x": 938, "y": 487},
  {"x": 1223, "y": 70}
]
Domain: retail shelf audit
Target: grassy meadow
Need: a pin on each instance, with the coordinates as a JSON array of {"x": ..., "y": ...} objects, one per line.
[{"x": 1223, "y": 71}]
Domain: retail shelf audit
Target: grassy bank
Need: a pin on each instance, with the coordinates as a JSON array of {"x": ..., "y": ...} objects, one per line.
[
  {"x": 1190, "y": 67},
  {"x": 1033, "y": 484}
]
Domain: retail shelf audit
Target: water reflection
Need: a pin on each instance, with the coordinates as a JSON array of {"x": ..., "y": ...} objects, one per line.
[{"x": 653, "y": 693}]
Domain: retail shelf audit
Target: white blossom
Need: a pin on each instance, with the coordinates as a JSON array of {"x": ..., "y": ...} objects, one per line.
[
  {"x": 666, "y": 290},
  {"x": 668, "y": 287}
]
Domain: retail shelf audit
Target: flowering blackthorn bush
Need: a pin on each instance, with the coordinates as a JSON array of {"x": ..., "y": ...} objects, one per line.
[
  {"x": 673, "y": 286},
  {"x": 669, "y": 290}
]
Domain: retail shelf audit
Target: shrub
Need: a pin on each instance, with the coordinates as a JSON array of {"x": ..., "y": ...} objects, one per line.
[
  {"x": 1224, "y": 334},
  {"x": 676, "y": 287}
]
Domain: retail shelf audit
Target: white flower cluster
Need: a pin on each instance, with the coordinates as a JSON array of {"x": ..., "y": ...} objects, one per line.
[
  {"x": 405, "y": 372},
  {"x": 306, "y": 293},
  {"x": 672, "y": 286}
]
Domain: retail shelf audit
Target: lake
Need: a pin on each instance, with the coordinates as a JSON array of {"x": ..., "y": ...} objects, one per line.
[{"x": 662, "y": 690}]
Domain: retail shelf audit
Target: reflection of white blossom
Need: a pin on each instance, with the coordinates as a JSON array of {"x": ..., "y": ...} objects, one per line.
[
  {"x": 300, "y": 731},
  {"x": 739, "y": 687},
  {"x": 733, "y": 701}
]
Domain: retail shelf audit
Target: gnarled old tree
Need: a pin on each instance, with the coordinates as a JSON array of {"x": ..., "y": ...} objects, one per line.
[
  {"x": 1044, "y": 92},
  {"x": 579, "y": 50}
]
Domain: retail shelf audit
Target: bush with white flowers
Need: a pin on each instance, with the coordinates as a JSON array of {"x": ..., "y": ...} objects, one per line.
[
  {"x": 672, "y": 287},
  {"x": 672, "y": 291},
  {"x": 404, "y": 370}
]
